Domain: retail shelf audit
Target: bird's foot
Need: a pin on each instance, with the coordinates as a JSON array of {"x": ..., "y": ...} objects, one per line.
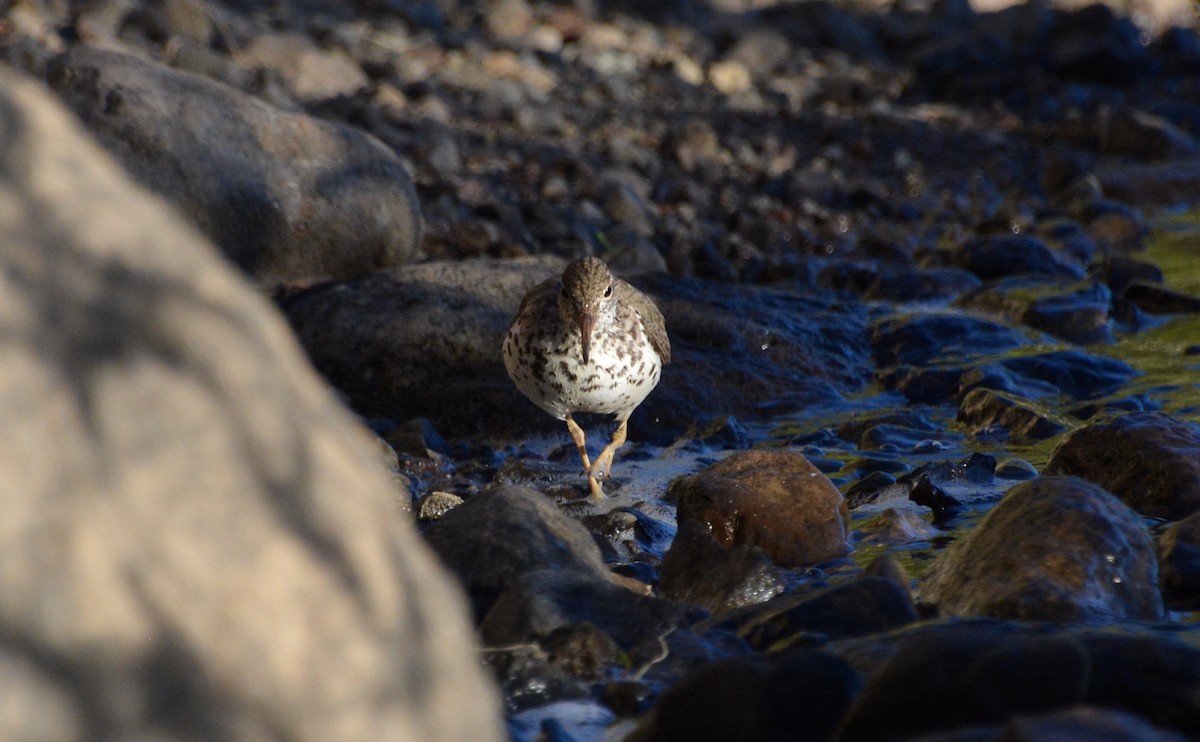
[{"x": 596, "y": 491}]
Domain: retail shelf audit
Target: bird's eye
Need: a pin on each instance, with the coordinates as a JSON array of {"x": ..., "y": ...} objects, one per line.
[{"x": 608, "y": 291}]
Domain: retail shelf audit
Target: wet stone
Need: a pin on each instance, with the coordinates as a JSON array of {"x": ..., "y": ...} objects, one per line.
[
  {"x": 495, "y": 537},
  {"x": 755, "y": 699},
  {"x": 1076, "y": 313},
  {"x": 1179, "y": 545},
  {"x": 1074, "y": 373},
  {"x": 908, "y": 284},
  {"x": 965, "y": 674},
  {"x": 1080, "y": 723},
  {"x": 528, "y": 679},
  {"x": 436, "y": 504},
  {"x": 985, "y": 410},
  {"x": 1013, "y": 255},
  {"x": 863, "y": 606},
  {"x": 775, "y": 500},
  {"x": 541, "y": 602},
  {"x": 1156, "y": 299},
  {"x": 922, "y": 339},
  {"x": 698, "y": 571},
  {"x": 1118, "y": 271},
  {"x": 1054, "y": 549},
  {"x": 1150, "y": 460}
]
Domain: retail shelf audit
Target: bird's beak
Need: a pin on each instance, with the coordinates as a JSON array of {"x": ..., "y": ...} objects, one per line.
[{"x": 587, "y": 323}]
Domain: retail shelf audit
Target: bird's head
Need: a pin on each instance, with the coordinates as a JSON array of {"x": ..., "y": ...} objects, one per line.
[{"x": 586, "y": 296}]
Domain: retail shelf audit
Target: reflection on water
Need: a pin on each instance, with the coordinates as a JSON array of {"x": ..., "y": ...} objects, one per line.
[{"x": 1166, "y": 353}]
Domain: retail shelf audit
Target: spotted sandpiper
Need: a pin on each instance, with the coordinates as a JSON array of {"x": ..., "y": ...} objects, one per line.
[{"x": 587, "y": 342}]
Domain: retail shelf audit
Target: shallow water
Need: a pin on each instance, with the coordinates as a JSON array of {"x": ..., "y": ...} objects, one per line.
[{"x": 1169, "y": 378}]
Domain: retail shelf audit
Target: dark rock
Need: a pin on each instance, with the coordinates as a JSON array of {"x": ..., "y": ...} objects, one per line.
[
  {"x": 1158, "y": 299},
  {"x": 1018, "y": 469},
  {"x": 982, "y": 410},
  {"x": 963, "y": 674},
  {"x": 424, "y": 341},
  {"x": 1076, "y": 313},
  {"x": 1118, "y": 271},
  {"x": 1179, "y": 546},
  {"x": 1075, "y": 373},
  {"x": 538, "y": 603},
  {"x": 1142, "y": 134},
  {"x": 894, "y": 526},
  {"x": 195, "y": 528},
  {"x": 495, "y": 537},
  {"x": 867, "y": 605},
  {"x": 1054, "y": 549},
  {"x": 581, "y": 649},
  {"x": 775, "y": 500},
  {"x": 284, "y": 196},
  {"x": 733, "y": 348},
  {"x": 855, "y": 430},
  {"x": 699, "y": 571},
  {"x": 528, "y": 679},
  {"x": 797, "y": 695},
  {"x": 1095, "y": 45},
  {"x": 1012, "y": 255},
  {"x": 911, "y": 284},
  {"x": 1078, "y": 723},
  {"x": 922, "y": 338},
  {"x": 1149, "y": 460},
  {"x": 924, "y": 492}
]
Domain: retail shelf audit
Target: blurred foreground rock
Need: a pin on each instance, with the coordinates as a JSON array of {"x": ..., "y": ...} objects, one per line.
[{"x": 198, "y": 542}]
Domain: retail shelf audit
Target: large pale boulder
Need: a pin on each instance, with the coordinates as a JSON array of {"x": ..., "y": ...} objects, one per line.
[{"x": 196, "y": 540}]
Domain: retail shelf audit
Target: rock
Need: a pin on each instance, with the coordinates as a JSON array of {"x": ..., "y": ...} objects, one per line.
[
  {"x": 283, "y": 195},
  {"x": 775, "y": 500},
  {"x": 538, "y": 603},
  {"x": 1149, "y": 460},
  {"x": 1142, "y": 134},
  {"x": 1012, "y": 255},
  {"x": 200, "y": 542},
  {"x": 797, "y": 695},
  {"x": 436, "y": 504},
  {"x": 912, "y": 284},
  {"x": 1072, "y": 372},
  {"x": 922, "y": 338},
  {"x": 1118, "y": 271},
  {"x": 1077, "y": 313},
  {"x": 424, "y": 341},
  {"x": 528, "y": 678},
  {"x": 867, "y": 605},
  {"x": 313, "y": 75},
  {"x": 1093, "y": 44},
  {"x": 1179, "y": 546},
  {"x": 963, "y": 674},
  {"x": 699, "y": 571},
  {"x": 982, "y": 410},
  {"x": 1078, "y": 723},
  {"x": 1157, "y": 299},
  {"x": 1054, "y": 549},
  {"x": 894, "y": 527},
  {"x": 495, "y": 537}
]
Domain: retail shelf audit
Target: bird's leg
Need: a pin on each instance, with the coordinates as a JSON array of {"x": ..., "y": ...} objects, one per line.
[
  {"x": 602, "y": 467},
  {"x": 597, "y": 491},
  {"x": 580, "y": 442}
]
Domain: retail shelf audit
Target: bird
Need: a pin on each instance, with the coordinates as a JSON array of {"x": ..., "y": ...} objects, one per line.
[{"x": 587, "y": 342}]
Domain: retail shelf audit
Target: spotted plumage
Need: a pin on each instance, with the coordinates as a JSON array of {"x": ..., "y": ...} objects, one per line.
[{"x": 587, "y": 342}]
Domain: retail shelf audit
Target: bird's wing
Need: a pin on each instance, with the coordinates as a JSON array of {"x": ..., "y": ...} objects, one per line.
[{"x": 652, "y": 319}]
